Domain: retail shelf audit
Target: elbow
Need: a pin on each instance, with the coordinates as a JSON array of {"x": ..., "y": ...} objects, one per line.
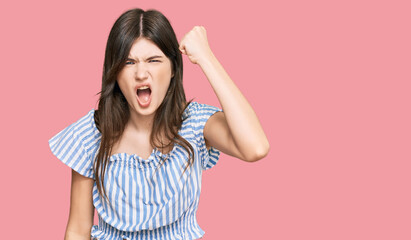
[
  {"x": 259, "y": 153},
  {"x": 77, "y": 235}
]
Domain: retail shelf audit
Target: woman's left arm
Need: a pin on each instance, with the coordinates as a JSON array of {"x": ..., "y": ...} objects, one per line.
[{"x": 236, "y": 131}]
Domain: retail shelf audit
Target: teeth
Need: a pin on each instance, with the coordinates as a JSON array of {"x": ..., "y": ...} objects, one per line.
[{"x": 141, "y": 88}]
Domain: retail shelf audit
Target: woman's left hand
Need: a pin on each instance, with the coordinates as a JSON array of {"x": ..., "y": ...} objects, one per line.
[{"x": 195, "y": 45}]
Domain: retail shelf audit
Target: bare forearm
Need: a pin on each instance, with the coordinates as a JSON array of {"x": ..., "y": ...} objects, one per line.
[{"x": 243, "y": 123}]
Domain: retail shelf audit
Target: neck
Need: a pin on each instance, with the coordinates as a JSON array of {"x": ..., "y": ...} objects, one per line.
[{"x": 141, "y": 123}]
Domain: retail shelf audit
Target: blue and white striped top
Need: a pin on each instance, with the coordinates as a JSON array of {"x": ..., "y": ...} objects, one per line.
[{"x": 144, "y": 203}]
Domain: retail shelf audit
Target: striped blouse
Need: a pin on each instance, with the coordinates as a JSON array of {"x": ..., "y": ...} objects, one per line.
[{"x": 144, "y": 203}]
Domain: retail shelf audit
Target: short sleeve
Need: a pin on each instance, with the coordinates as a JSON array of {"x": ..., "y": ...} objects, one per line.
[
  {"x": 68, "y": 146},
  {"x": 203, "y": 112}
]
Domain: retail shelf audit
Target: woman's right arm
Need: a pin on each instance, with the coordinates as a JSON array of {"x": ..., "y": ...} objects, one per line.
[{"x": 81, "y": 217}]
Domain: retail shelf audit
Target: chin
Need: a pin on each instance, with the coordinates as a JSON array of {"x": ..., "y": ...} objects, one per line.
[{"x": 146, "y": 111}]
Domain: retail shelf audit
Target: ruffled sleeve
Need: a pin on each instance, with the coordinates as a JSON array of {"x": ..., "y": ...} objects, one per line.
[
  {"x": 70, "y": 145},
  {"x": 203, "y": 112}
]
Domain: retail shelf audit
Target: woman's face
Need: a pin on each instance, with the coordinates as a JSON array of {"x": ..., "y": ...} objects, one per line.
[{"x": 145, "y": 78}]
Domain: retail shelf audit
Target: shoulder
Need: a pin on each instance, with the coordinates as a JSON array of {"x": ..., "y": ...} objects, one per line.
[
  {"x": 200, "y": 110},
  {"x": 75, "y": 145},
  {"x": 85, "y": 127},
  {"x": 83, "y": 130},
  {"x": 196, "y": 116},
  {"x": 86, "y": 120}
]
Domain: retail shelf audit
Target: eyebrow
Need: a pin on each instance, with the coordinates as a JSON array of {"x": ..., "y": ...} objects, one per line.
[{"x": 149, "y": 58}]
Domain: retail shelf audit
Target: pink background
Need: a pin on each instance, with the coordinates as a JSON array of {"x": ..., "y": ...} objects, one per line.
[{"x": 330, "y": 82}]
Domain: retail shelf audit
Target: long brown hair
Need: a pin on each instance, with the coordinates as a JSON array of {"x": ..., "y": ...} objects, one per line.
[{"x": 113, "y": 110}]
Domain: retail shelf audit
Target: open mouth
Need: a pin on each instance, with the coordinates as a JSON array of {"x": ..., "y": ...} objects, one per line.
[{"x": 143, "y": 94}]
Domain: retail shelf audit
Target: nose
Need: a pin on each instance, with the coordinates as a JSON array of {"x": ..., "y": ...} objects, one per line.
[{"x": 141, "y": 71}]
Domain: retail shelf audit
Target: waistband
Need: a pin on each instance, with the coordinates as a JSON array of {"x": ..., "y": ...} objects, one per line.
[{"x": 186, "y": 228}]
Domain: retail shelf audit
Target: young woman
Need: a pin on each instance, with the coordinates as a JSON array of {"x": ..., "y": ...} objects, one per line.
[{"x": 139, "y": 158}]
